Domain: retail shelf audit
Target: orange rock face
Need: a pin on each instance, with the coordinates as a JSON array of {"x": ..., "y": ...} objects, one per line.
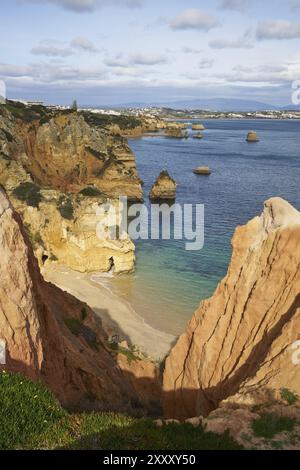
[
  {"x": 239, "y": 342},
  {"x": 53, "y": 337}
]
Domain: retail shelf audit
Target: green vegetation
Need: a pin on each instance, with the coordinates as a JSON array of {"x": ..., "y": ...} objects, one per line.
[
  {"x": 288, "y": 396},
  {"x": 268, "y": 425},
  {"x": 104, "y": 120},
  {"x": 28, "y": 192},
  {"x": 28, "y": 113},
  {"x": 115, "y": 347},
  {"x": 31, "y": 418},
  {"x": 74, "y": 325},
  {"x": 65, "y": 208},
  {"x": 90, "y": 191},
  {"x": 26, "y": 410},
  {"x": 74, "y": 106}
]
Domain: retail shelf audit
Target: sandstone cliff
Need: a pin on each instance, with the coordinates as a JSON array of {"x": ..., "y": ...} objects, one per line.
[
  {"x": 53, "y": 337},
  {"x": 238, "y": 345},
  {"x": 56, "y": 167}
]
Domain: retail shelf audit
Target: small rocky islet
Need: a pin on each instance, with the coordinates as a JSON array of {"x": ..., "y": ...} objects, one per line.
[{"x": 164, "y": 188}]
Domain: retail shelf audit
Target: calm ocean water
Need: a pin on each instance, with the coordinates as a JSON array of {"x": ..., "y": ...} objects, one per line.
[{"x": 169, "y": 281}]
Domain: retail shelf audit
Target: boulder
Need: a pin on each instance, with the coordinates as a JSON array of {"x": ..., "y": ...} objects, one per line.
[
  {"x": 198, "y": 135},
  {"x": 202, "y": 170},
  {"x": 176, "y": 133},
  {"x": 252, "y": 137}
]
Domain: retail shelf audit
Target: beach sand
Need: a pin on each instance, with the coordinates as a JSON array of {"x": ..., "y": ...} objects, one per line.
[{"x": 117, "y": 315}]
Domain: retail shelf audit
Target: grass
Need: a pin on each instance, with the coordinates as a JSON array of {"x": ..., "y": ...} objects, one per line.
[
  {"x": 288, "y": 396},
  {"x": 31, "y": 418},
  {"x": 268, "y": 425},
  {"x": 28, "y": 192}
]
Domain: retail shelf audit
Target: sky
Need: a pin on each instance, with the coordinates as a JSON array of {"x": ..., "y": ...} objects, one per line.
[{"x": 110, "y": 52}]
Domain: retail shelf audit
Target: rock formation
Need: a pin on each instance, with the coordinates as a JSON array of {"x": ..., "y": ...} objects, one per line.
[
  {"x": 198, "y": 135},
  {"x": 176, "y": 133},
  {"x": 238, "y": 345},
  {"x": 164, "y": 188},
  {"x": 202, "y": 170},
  {"x": 252, "y": 137},
  {"x": 56, "y": 166},
  {"x": 198, "y": 127},
  {"x": 53, "y": 337}
]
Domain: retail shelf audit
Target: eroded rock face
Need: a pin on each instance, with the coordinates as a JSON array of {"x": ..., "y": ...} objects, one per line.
[
  {"x": 164, "y": 188},
  {"x": 66, "y": 158},
  {"x": 53, "y": 337},
  {"x": 239, "y": 342}
]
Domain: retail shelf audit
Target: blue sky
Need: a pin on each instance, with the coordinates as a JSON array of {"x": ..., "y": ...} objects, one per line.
[{"x": 119, "y": 51}]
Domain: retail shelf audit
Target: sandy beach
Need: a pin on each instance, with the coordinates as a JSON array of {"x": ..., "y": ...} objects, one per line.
[{"x": 117, "y": 315}]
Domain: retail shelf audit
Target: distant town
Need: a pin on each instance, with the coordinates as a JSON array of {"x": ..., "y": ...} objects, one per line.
[{"x": 170, "y": 113}]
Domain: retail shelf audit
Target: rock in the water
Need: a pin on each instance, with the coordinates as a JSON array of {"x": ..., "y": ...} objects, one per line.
[
  {"x": 199, "y": 135},
  {"x": 239, "y": 342},
  {"x": 252, "y": 137},
  {"x": 202, "y": 170},
  {"x": 198, "y": 127},
  {"x": 176, "y": 133},
  {"x": 164, "y": 188}
]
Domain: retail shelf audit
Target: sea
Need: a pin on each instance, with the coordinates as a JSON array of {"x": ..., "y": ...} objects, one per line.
[{"x": 169, "y": 282}]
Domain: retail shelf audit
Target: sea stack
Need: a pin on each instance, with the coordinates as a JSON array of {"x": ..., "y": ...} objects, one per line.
[
  {"x": 176, "y": 133},
  {"x": 198, "y": 135},
  {"x": 202, "y": 170},
  {"x": 198, "y": 127},
  {"x": 164, "y": 188},
  {"x": 252, "y": 137}
]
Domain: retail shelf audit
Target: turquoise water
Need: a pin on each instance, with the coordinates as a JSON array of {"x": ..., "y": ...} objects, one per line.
[{"x": 169, "y": 281}]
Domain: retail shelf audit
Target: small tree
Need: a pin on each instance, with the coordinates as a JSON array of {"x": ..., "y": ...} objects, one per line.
[{"x": 74, "y": 105}]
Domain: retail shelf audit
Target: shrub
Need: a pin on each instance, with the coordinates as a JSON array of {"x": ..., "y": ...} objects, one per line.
[
  {"x": 288, "y": 396},
  {"x": 90, "y": 192},
  {"x": 268, "y": 425},
  {"x": 28, "y": 192},
  {"x": 65, "y": 208},
  {"x": 74, "y": 325}
]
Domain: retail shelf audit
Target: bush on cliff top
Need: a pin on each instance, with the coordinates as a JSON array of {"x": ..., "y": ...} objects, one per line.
[
  {"x": 31, "y": 418},
  {"x": 28, "y": 192}
]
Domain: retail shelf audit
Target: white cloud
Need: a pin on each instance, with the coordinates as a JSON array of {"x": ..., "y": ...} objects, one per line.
[
  {"x": 191, "y": 50},
  {"x": 269, "y": 73},
  {"x": 81, "y": 6},
  {"x": 237, "y": 5},
  {"x": 280, "y": 29},
  {"x": 52, "y": 48},
  {"x": 194, "y": 19},
  {"x": 206, "y": 63},
  {"x": 147, "y": 59},
  {"x": 84, "y": 44},
  {"x": 136, "y": 60},
  {"x": 222, "y": 43}
]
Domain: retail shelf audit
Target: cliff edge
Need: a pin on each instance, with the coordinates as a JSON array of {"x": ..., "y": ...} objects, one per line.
[{"x": 238, "y": 345}]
